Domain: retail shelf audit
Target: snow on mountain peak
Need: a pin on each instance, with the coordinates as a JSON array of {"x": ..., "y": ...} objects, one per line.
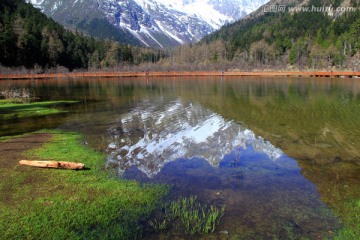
[{"x": 158, "y": 23}]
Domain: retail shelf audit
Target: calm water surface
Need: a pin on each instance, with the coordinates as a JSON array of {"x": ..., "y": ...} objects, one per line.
[{"x": 279, "y": 154}]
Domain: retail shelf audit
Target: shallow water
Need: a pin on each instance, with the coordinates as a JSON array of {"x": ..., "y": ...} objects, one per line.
[{"x": 279, "y": 154}]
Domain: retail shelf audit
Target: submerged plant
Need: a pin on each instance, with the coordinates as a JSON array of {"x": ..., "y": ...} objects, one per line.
[
  {"x": 189, "y": 216},
  {"x": 213, "y": 219},
  {"x": 158, "y": 225}
]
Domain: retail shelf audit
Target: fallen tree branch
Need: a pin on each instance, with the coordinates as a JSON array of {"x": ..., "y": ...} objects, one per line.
[{"x": 53, "y": 164}]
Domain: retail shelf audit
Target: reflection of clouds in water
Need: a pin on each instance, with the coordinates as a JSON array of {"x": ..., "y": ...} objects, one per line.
[{"x": 154, "y": 133}]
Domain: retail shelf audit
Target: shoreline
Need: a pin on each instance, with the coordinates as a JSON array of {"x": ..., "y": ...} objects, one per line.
[
  {"x": 345, "y": 74},
  {"x": 81, "y": 204}
]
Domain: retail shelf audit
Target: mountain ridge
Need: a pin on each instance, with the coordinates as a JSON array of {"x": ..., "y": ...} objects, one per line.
[{"x": 153, "y": 23}]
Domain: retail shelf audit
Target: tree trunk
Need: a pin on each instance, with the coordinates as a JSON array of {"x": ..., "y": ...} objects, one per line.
[{"x": 53, "y": 164}]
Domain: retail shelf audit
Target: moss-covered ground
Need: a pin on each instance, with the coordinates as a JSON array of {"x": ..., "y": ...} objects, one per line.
[{"x": 61, "y": 204}]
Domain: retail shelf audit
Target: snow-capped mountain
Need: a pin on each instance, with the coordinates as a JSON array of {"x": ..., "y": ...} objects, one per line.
[
  {"x": 156, "y": 23},
  {"x": 155, "y": 133}
]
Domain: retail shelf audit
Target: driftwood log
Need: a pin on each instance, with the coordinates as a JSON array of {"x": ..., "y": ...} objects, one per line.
[{"x": 53, "y": 164}]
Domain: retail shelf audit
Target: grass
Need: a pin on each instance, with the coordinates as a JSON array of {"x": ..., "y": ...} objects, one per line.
[
  {"x": 12, "y": 110},
  {"x": 59, "y": 204},
  {"x": 188, "y": 215},
  {"x": 351, "y": 219}
]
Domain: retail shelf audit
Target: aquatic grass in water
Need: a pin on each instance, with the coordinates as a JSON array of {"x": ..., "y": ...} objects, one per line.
[
  {"x": 158, "y": 225},
  {"x": 190, "y": 216}
]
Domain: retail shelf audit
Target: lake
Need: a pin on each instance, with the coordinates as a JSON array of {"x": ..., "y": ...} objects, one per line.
[{"x": 279, "y": 153}]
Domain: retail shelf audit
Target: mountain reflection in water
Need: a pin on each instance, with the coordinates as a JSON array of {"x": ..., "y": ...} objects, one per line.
[
  {"x": 154, "y": 134},
  {"x": 223, "y": 163}
]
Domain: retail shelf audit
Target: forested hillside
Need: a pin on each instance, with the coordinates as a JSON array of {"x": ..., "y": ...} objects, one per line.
[
  {"x": 282, "y": 39},
  {"x": 272, "y": 40},
  {"x": 28, "y": 38}
]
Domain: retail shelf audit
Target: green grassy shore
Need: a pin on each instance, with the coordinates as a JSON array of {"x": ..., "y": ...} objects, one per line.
[{"x": 61, "y": 204}]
